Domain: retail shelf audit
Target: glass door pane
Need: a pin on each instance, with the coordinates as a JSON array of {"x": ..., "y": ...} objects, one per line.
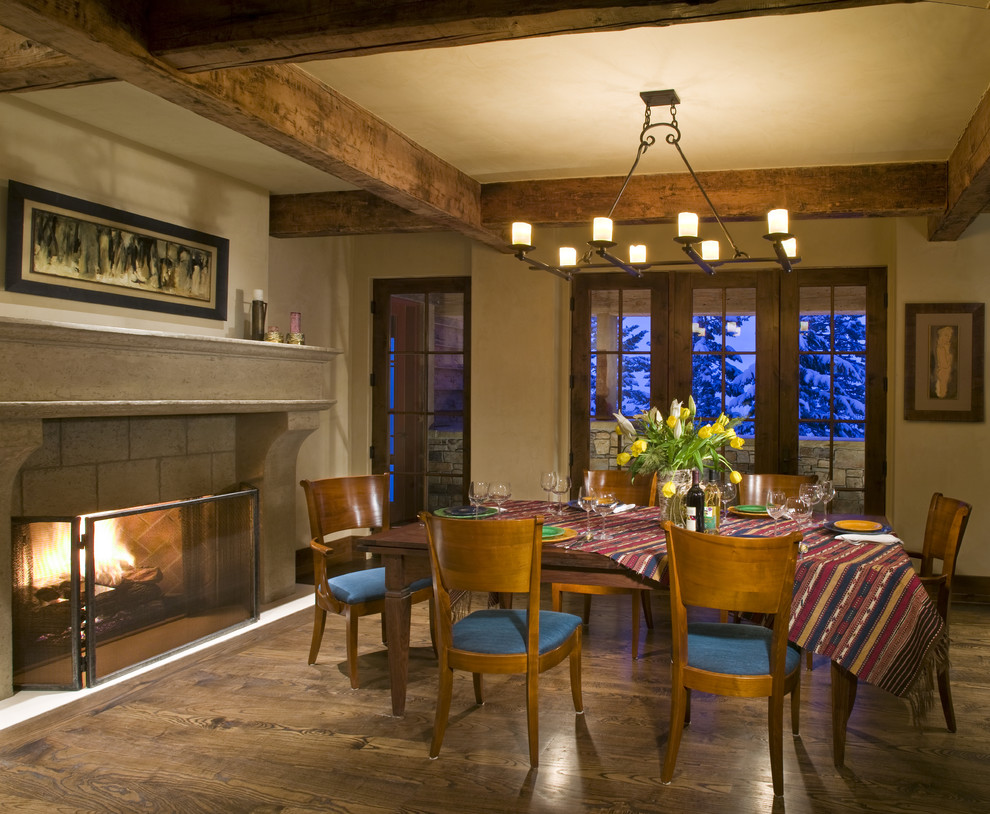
[
  {"x": 832, "y": 400},
  {"x": 420, "y": 415}
]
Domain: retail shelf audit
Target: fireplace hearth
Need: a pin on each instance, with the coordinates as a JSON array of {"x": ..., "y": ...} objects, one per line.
[{"x": 98, "y": 594}]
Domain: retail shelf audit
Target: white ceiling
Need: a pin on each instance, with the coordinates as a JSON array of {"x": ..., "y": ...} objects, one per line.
[{"x": 871, "y": 85}]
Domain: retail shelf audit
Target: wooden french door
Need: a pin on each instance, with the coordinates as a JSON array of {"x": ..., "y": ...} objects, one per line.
[
  {"x": 802, "y": 356},
  {"x": 420, "y": 398}
]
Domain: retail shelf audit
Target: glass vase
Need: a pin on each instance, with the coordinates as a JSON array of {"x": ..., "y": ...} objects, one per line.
[{"x": 673, "y": 508}]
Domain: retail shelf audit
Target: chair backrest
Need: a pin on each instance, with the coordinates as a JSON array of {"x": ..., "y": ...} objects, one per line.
[
  {"x": 353, "y": 502},
  {"x": 947, "y": 519},
  {"x": 485, "y": 555},
  {"x": 642, "y": 491},
  {"x": 754, "y": 574},
  {"x": 753, "y": 488}
]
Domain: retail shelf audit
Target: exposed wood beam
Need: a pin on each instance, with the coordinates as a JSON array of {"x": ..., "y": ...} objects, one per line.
[
  {"x": 968, "y": 178},
  {"x": 196, "y": 35},
  {"x": 320, "y": 214},
  {"x": 280, "y": 106},
  {"x": 878, "y": 190},
  {"x": 27, "y": 65}
]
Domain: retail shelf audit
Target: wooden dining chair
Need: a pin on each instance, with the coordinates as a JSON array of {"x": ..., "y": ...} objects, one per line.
[
  {"x": 754, "y": 574},
  {"x": 753, "y": 491},
  {"x": 944, "y": 530},
  {"x": 642, "y": 492},
  {"x": 349, "y": 504},
  {"x": 753, "y": 488},
  {"x": 502, "y": 556}
]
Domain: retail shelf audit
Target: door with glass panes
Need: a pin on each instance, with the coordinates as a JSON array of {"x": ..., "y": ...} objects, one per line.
[
  {"x": 747, "y": 343},
  {"x": 421, "y": 382}
]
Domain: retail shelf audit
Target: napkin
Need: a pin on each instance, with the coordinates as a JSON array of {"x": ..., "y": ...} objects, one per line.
[
  {"x": 885, "y": 539},
  {"x": 623, "y": 507}
]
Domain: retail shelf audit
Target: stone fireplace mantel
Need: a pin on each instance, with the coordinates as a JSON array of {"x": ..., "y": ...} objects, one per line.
[{"x": 59, "y": 371}]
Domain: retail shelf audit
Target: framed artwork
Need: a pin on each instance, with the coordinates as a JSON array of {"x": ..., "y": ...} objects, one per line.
[
  {"x": 943, "y": 361},
  {"x": 64, "y": 247}
]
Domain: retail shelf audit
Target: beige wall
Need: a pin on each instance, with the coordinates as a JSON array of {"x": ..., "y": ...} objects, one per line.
[
  {"x": 44, "y": 150},
  {"x": 520, "y": 342},
  {"x": 521, "y": 323}
]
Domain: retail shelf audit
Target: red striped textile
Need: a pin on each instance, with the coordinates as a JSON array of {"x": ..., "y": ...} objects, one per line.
[{"x": 860, "y": 605}]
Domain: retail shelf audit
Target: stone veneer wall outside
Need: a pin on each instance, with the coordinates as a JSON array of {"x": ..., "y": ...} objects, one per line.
[
  {"x": 446, "y": 454},
  {"x": 100, "y": 464}
]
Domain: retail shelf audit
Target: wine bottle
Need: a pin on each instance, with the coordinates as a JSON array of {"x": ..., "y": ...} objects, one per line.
[
  {"x": 712, "y": 503},
  {"x": 694, "y": 504}
]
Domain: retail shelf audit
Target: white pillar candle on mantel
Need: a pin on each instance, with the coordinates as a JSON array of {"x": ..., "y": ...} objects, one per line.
[
  {"x": 709, "y": 250},
  {"x": 602, "y": 229},
  {"x": 777, "y": 221},
  {"x": 522, "y": 234},
  {"x": 687, "y": 224},
  {"x": 790, "y": 246},
  {"x": 258, "y": 295},
  {"x": 568, "y": 256},
  {"x": 637, "y": 253}
]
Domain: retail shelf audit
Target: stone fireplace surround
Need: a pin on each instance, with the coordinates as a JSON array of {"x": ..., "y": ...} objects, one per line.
[{"x": 96, "y": 416}]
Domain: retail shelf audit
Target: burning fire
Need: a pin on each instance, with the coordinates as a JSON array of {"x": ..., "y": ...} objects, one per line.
[{"x": 50, "y": 563}]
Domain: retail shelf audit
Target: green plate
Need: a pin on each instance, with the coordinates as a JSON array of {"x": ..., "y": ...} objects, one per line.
[
  {"x": 552, "y": 531},
  {"x": 753, "y": 509},
  {"x": 466, "y": 512}
]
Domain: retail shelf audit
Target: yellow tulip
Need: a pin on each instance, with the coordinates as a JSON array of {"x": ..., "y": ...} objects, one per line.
[
  {"x": 705, "y": 432},
  {"x": 736, "y": 442},
  {"x": 685, "y": 412},
  {"x": 623, "y": 458},
  {"x": 668, "y": 489},
  {"x": 638, "y": 447},
  {"x": 730, "y": 433},
  {"x": 735, "y": 477},
  {"x": 671, "y": 420}
]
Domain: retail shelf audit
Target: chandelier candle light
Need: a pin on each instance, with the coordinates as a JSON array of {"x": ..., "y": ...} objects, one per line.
[{"x": 784, "y": 243}]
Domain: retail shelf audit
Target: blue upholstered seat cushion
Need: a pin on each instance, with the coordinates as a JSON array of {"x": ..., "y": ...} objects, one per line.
[
  {"x": 734, "y": 648},
  {"x": 365, "y": 586},
  {"x": 501, "y": 631}
]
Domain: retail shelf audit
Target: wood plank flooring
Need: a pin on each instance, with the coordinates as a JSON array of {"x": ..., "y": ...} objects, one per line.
[{"x": 248, "y": 726}]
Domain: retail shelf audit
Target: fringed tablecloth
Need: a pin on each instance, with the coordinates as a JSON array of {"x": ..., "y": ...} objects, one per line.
[{"x": 861, "y": 605}]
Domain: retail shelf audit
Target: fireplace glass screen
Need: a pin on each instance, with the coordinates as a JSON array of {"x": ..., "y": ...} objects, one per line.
[{"x": 100, "y": 593}]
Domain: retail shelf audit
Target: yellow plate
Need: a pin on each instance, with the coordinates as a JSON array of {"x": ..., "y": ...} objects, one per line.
[
  {"x": 858, "y": 525},
  {"x": 563, "y": 534}
]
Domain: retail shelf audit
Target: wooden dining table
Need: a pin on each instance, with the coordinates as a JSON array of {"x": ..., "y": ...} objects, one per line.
[{"x": 861, "y": 605}]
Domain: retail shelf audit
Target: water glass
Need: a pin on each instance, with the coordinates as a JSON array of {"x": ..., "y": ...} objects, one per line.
[
  {"x": 500, "y": 492},
  {"x": 477, "y": 495},
  {"x": 776, "y": 505},
  {"x": 586, "y": 500},
  {"x": 561, "y": 487}
]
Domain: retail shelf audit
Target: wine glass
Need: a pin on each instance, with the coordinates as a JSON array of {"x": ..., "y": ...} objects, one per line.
[
  {"x": 727, "y": 491},
  {"x": 500, "y": 492},
  {"x": 811, "y": 493},
  {"x": 561, "y": 487},
  {"x": 776, "y": 505},
  {"x": 546, "y": 484},
  {"x": 477, "y": 495},
  {"x": 586, "y": 500},
  {"x": 798, "y": 510},
  {"x": 604, "y": 504},
  {"x": 827, "y": 495}
]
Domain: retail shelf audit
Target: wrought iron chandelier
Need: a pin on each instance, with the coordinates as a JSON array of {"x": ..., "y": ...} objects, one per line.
[{"x": 784, "y": 244}]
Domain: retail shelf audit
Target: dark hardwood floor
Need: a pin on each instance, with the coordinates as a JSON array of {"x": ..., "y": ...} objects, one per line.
[{"x": 248, "y": 726}]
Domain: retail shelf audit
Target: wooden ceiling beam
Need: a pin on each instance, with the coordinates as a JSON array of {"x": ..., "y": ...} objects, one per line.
[
  {"x": 968, "y": 178},
  {"x": 279, "y": 105},
  {"x": 194, "y": 35},
  {"x": 27, "y": 65},
  {"x": 878, "y": 190}
]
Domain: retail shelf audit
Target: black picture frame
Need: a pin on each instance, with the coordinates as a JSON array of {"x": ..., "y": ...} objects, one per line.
[
  {"x": 943, "y": 361},
  {"x": 64, "y": 247}
]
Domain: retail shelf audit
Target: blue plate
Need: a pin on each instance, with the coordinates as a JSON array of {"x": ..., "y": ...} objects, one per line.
[{"x": 466, "y": 512}]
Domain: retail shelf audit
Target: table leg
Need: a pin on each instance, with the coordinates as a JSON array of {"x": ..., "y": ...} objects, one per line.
[
  {"x": 844, "y": 686},
  {"x": 398, "y": 606}
]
